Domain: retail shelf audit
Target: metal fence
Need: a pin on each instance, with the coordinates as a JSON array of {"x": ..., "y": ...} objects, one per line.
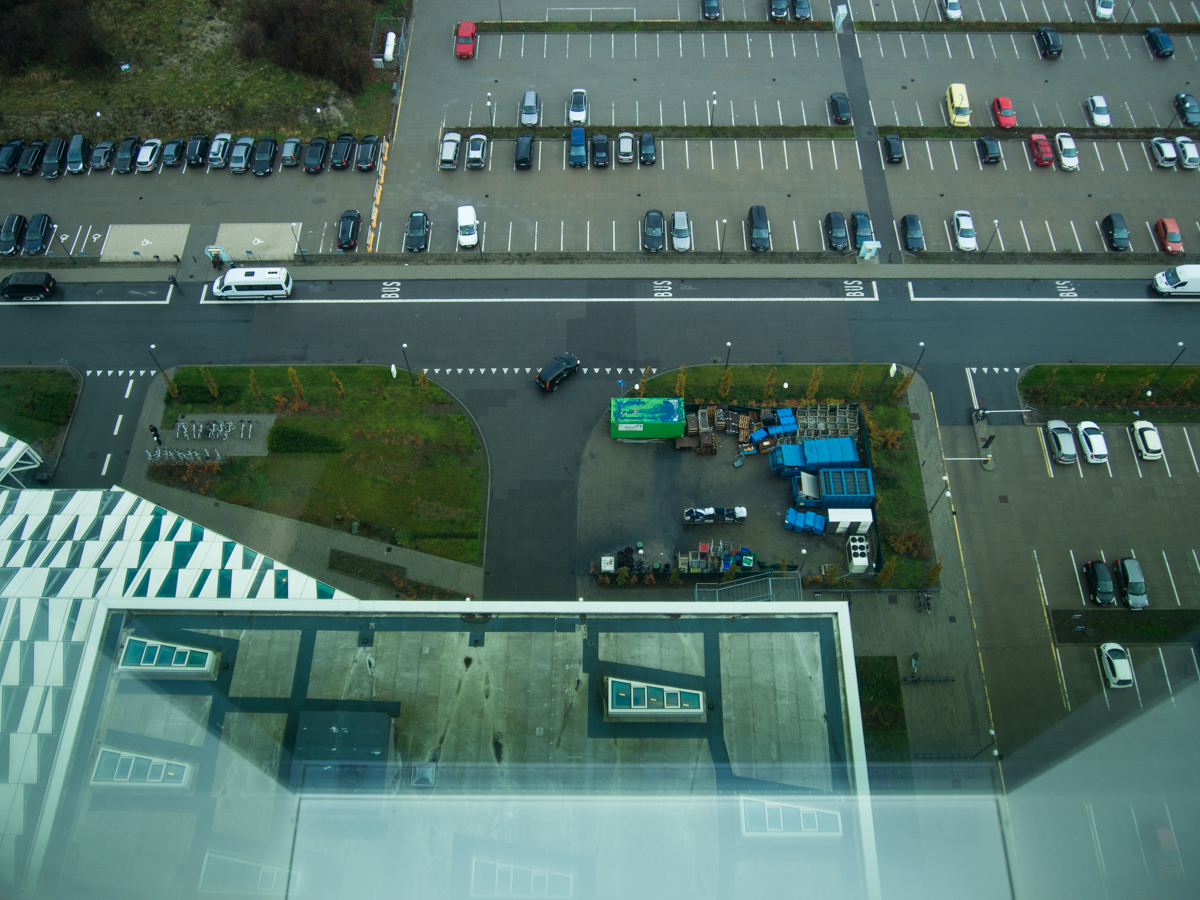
[
  {"x": 385, "y": 25},
  {"x": 770, "y": 587}
]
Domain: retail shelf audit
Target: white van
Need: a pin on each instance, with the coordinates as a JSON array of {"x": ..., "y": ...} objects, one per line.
[
  {"x": 254, "y": 284},
  {"x": 1183, "y": 281},
  {"x": 468, "y": 227}
]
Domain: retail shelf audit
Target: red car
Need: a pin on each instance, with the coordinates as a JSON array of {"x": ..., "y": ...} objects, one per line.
[
  {"x": 1169, "y": 235},
  {"x": 1006, "y": 116},
  {"x": 464, "y": 40},
  {"x": 1041, "y": 149}
]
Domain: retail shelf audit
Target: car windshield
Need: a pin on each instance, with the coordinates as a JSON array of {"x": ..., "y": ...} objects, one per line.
[
  {"x": 653, "y": 227},
  {"x": 1117, "y": 653},
  {"x": 416, "y": 226},
  {"x": 914, "y": 230},
  {"x": 964, "y": 229},
  {"x": 1137, "y": 587},
  {"x": 757, "y": 232},
  {"x": 264, "y": 150},
  {"x": 462, "y": 39},
  {"x": 681, "y": 231},
  {"x": 578, "y": 99},
  {"x": 1171, "y": 276},
  {"x": 468, "y": 228},
  {"x": 1100, "y": 109},
  {"x": 1069, "y": 150}
]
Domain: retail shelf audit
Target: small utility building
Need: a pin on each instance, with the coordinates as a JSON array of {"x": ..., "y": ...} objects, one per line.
[{"x": 647, "y": 418}]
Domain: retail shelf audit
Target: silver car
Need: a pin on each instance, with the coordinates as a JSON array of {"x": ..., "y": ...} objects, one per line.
[
  {"x": 527, "y": 112},
  {"x": 218, "y": 150},
  {"x": 681, "y": 231},
  {"x": 577, "y": 108},
  {"x": 1062, "y": 442},
  {"x": 243, "y": 151},
  {"x": 625, "y": 147},
  {"x": 149, "y": 155},
  {"x": 476, "y": 151},
  {"x": 448, "y": 159}
]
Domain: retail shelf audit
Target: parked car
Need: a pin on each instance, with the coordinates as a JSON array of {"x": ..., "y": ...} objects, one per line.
[
  {"x": 342, "y": 152},
  {"x": 464, "y": 40},
  {"x": 348, "y": 227},
  {"x": 1091, "y": 441},
  {"x": 1188, "y": 109},
  {"x": 952, "y": 9},
  {"x": 1049, "y": 42},
  {"x": 219, "y": 150},
  {"x": 710, "y": 9},
  {"x": 653, "y": 228},
  {"x": 196, "y": 153},
  {"x": 1169, "y": 235},
  {"x": 1132, "y": 582},
  {"x": 102, "y": 155},
  {"x": 557, "y": 371},
  {"x": 27, "y": 286},
  {"x": 127, "y": 154},
  {"x": 835, "y": 231},
  {"x": 839, "y": 108},
  {"x": 1002, "y": 109},
  {"x": 1104, "y": 9},
  {"x": 79, "y": 150},
  {"x": 1097, "y": 108},
  {"x": 989, "y": 150},
  {"x": 241, "y": 155},
  {"x": 600, "y": 150},
  {"x": 416, "y": 236},
  {"x": 55, "y": 158},
  {"x": 528, "y": 110},
  {"x": 291, "y": 154},
  {"x": 1185, "y": 147},
  {"x": 1116, "y": 231},
  {"x": 367, "y": 156},
  {"x": 649, "y": 152},
  {"x": 681, "y": 231},
  {"x": 1115, "y": 663},
  {"x": 860, "y": 228},
  {"x": 1164, "y": 152},
  {"x": 451, "y": 141},
  {"x": 468, "y": 227},
  {"x": 524, "y": 155},
  {"x": 1041, "y": 150},
  {"x": 1068, "y": 153},
  {"x": 625, "y": 147},
  {"x": 31, "y": 158},
  {"x": 802, "y": 10},
  {"x": 577, "y": 107},
  {"x": 314, "y": 159},
  {"x": 577, "y": 152},
  {"x": 777, "y": 10},
  {"x": 964, "y": 231},
  {"x": 264, "y": 156},
  {"x": 11, "y": 234},
  {"x": 1160, "y": 42},
  {"x": 10, "y": 154},
  {"x": 476, "y": 151},
  {"x": 911, "y": 234},
  {"x": 39, "y": 234},
  {"x": 1062, "y": 442},
  {"x": 1160, "y": 849},
  {"x": 1147, "y": 440},
  {"x": 893, "y": 148},
  {"x": 760, "y": 229},
  {"x": 149, "y": 155},
  {"x": 172, "y": 153},
  {"x": 1098, "y": 578}
]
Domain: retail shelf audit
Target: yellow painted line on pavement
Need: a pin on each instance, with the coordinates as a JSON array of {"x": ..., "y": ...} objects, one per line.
[{"x": 387, "y": 146}]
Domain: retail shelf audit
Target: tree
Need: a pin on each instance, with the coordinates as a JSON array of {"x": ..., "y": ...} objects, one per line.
[
  {"x": 831, "y": 574},
  {"x": 297, "y": 387},
  {"x": 255, "y": 390},
  {"x": 423, "y": 382},
  {"x": 886, "y": 573},
  {"x": 323, "y": 38},
  {"x": 814, "y": 384},
  {"x": 726, "y": 381},
  {"x": 676, "y": 578},
  {"x": 337, "y": 383},
  {"x": 903, "y": 386},
  {"x": 768, "y": 388},
  {"x": 681, "y": 383},
  {"x": 935, "y": 572},
  {"x": 649, "y": 579},
  {"x": 623, "y": 575},
  {"x": 212, "y": 385},
  {"x": 856, "y": 384}
]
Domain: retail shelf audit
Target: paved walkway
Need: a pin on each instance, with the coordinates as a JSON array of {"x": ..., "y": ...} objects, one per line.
[{"x": 298, "y": 544}]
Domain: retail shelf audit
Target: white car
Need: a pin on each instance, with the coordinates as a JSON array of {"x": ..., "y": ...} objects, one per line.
[
  {"x": 1097, "y": 108},
  {"x": 1104, "y": 9},
  {"x": 1186, "y": 148},
  {"x": 1068, "y": 153},
  {"x": 952, "y": 9},
  {"x": 476, "y": 151},
  {"x": 964, "y": 230},
  {"x": 1147, "y": 441},
  {"x": 218, "y": 150},
  {"x": 577, "y": 108},
  {"x": 1164, "y": 152},
  {"x": 448, "y": 158},
  {"x": 149, "y": 155},
  {"x": 681, "y": 231},
  {"x": 625, "y": 147},
  {"x": 468, "y": 227},
  {"x": 1091, "y": 440},
  {"x": 1118, "y": 668}
]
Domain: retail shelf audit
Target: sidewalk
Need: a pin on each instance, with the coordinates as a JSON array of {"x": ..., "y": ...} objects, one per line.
[{"x": 298, "y": 544}]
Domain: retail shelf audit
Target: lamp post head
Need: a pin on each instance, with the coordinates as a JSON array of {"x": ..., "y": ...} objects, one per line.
[
  {"x": 152, "y": 346},
  {"x": 921, "y": 344},
  {"x": 724, "y": 221},
  {"x": 404, "y": 346},
  {"x": 729, "y": 343}
]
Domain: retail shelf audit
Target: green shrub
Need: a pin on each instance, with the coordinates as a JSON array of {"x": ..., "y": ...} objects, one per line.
[
  {"x": 51, "y": 407},
  {"x": 286, "y": 439},
  {"x": 200, "y": 394}
]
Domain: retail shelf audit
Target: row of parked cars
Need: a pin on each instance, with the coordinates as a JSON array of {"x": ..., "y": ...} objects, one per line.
[
  {"x": 626, "y": 148},
  {"x": 31, "y": 236},
  {"x": 132, "y": 154}
]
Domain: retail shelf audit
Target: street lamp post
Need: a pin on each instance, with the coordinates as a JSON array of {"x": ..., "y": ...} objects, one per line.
[
  {"x": 404, "y": 350},
  {"x": 995, "y": 222},
  {"x": 803, "y": 560},
  {"x": 991, "y": 743},
  {"x": 1127, "y": 12},
  {"x": 937, "y": 501},
  {"x": 728, "y": 350},
  {"x": 920, "y": 356},
  {"x": 1150, "y": 392},
  {"x": 927, "y": 8},
  {"x": 500, "y": 3},
  {"x": 161, "y": 371},
  {"x": 724, "y": 224}
]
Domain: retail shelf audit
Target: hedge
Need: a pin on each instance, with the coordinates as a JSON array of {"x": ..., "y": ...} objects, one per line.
[
  {"x": 51, "y": 407},
  {"x": 286, "y": 439}
]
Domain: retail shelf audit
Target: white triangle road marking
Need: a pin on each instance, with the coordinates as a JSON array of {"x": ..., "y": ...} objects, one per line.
[
  {"x": 528, "y": 370},
  {"x": 493, "y": 371},
  {"x": 974, "y": 370},
  {"x": 110, "y": 371},
  {"x": 460, "y": 371},
  {"x": 469, "y": 371},
  {"x": 89, "y": 371},
  {"x": 606, "y": 371},
  {"x": 141, "y": 372},
  {"x": 655, "y": 371},
  {"x": 120, "y": 371},
  {"x": 504, "y": 370}
]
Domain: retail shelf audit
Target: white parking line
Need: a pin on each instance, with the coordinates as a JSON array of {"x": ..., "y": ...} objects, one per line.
[
  {"x": 1191, "y": 451},
  {"x": 810, "y": 159},
  {"x": 858, "y": 153},
  {"x": 1078, "y": 583},
  {"x": 1166, "y": 675},
  {"x": 786, "y": 165},
  {"x": 1099, "y": 158},
  {"x": 1167, "y": 563},
  {"x": 1133, "y": 450},
  {"x": 1153, "y": 239},
  {"x": 1045, "y": 453},
  {"x": 117, "y": 427},
  {"x": 1053, "y": 246},
  {"x": 1167, "y": 462},
  {"x": 833, "y": 146},
  {"x": 796, "y": 234},
  {"x": 1136, "y": 687},
  {"x": 929, "y": 153},
  {"x": 954, "y": 156},
  {"x": 1076, "y": 233}
]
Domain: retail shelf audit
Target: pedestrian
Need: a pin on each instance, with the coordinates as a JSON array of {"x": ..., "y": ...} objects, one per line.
[
  {"x": 172, "y": 280},
  {"x": 217, "y": 263},
  {"x": 154, "y": 434}
]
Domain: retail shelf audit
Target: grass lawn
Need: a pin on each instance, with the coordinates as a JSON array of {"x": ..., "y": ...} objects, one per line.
[
  {"x": 407, "y": 467},
  {"x": 185, "y": 76},
  {"x": 746, "y": 387},
  {"x": 1120, "y": 389},
  {"x": 35, "y": 404},
  {"x": 882, "y": 705}
]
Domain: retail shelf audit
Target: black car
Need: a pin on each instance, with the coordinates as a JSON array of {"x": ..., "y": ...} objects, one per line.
[
  {"x": 127, "y": 152},
  {"x": 10, "y": 153},
  {"x": 893, "y": 148},
  {"x": 1099, "y": 582},
  {"x": 710, "y": 9},
  {"x": 11, "y": 233},
  {"x": 989, "y": 149},
  {"x": 39, "y": 234},
  {"x": 557, "y": 372},
  {"x": 860, "y": 228},
  {"x": 803, "y": 10},
  {"x": 196, "y": 153},
  {"x": 648, "y": 152},
  {"x": 343, "y": 151},
  {"x": 368, "y": 153},
  {"x": 839, "y": 108},
  {"x": 911, "y": 234},
  {"x": 524, "y": 159},
  {"x": 102, "y": 155},
  {"x": 55, "y": 158},
  {"x": 777, "y": 9},
  {"x": 347, "y": 233},
  {"x": 264, "y": 156},
  {"x": 760, "y": 228},
  {"x": 172, "y": 153},
  {"x": 600, "y": 150},
  {"x": 314, "y": 159},
  {"x": 291, "y": 153},
  {"x": 1188, "y": 109},
  {"x": 1049, "y": 42},
  {"x": 31, "y": 158},
  {"x": 1161, "y": 44},
  {"x": 1115, "y": 231},
  {"x": 652, "y": 231},
  {"x": 835, "y": 231},
  {"x": 416, "y": 238}
]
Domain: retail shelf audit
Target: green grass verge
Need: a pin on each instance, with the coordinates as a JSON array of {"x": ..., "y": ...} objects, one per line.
[
  {"x": 978, "y": 25},
  {"x": 747, "y": 385},
  {"x": 649, "y": 25},
  {"x": 882, "y": 705},
  {"x": 1150, "y": 626},
  {"x": 185, "y": 76},
  {"x": 1113, "y": 386},
  {"x": 409, "y": 473},
  {"x": 35, "y": 404},
  {"x": 900, "y": 500},
  {"x": 382, "y": 573}
]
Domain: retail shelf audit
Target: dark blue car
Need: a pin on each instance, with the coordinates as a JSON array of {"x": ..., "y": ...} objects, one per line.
[
  {"x": 578, "y": 153},
  {"x": 1160, "y": 42}
]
